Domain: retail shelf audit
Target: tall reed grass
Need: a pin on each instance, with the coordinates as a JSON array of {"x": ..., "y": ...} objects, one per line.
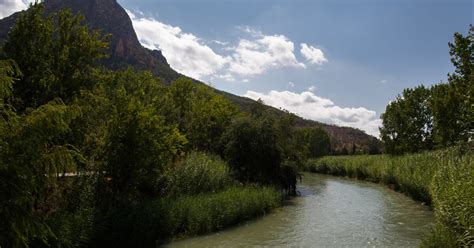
[
  {"x": 197, "y": 173},
  {"x": 442, "y": 178},
  {"x": 157, "y": 222}
]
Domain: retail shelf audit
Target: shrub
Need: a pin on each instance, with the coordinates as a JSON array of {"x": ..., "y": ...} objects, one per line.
[{"x": 197, "y": 173}]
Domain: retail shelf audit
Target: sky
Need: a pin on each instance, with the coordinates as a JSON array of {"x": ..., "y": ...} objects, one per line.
[{"x": 334, "y": 61}]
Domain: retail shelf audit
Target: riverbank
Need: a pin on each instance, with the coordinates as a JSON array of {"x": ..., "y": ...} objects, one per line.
[
  {"x": 199, "y": 196},
  {"x": 157, "y": 222},
  {"x": 444, "y": 179}
]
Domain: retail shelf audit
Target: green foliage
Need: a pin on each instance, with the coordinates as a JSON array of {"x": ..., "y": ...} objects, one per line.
[
  {"x": 200, "y": 214},
  {"x": 155, "y": 222},
  {"x": 135, "y": 143},
  {"x": 407, "y": 124},
  {"x": 55, "y": 54},
  {"x": 442, "y": 116},
  {"x": 444, "y": 178},
  {"x": 34, "y": 150},
  {"x": 73, "y": 223},
  {"x": 197, "y": 173},
  {"x": 81, "y": 145},
  {"x": 452, "y": 190},
  {"x": 253, "y": 150},
  {"x": 200, "y": 113},
  {"x": 210, "y": 116},
  {"x": 315, "y": 142},
  {"x": 262, "y": 149},
  {"x": 9, "y": 73},
  {"x": 453, "y": 103}
]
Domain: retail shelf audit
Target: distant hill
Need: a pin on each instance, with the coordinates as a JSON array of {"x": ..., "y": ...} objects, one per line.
[{"x": 125, "y": 50}]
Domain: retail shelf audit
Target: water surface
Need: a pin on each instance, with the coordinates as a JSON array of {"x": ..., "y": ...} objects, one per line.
[{"x": 332, "y": 212}]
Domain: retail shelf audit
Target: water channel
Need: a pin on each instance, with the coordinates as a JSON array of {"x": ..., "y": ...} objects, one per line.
[{"x": 331, "y": 212}]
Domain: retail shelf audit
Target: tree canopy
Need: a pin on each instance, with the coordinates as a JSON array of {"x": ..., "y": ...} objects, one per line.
[{"x": 443, "y": 115}]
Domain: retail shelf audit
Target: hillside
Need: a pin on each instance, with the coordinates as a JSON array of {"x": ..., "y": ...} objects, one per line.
[{"x": 125, "y": 50}]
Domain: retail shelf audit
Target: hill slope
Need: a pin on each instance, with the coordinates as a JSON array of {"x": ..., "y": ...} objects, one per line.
[{"x": 125, "y": 50}]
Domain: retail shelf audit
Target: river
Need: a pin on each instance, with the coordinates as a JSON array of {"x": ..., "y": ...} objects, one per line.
[{"x": 331, "y": 212}]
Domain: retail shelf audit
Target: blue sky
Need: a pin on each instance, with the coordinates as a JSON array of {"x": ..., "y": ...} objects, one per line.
[{"x": 336, "y": 61}]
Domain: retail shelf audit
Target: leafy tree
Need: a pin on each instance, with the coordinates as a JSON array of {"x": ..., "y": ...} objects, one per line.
[
  {"x": 407, "y": 122},
  {"x": 253, "y": 150},
  {"x": 453, "y": 103},
  {"x": 34, "y": 149},
  {"x": 134, "y": 141},
  {"x": 181, "y": 93},
  {"x": 315, "y": 141},
  {"x": 55, "y": 54},
  {"x": 374, "y": 147},
  {"x": 200, "y": 114},
  {"x": 9, "y": 73},
  {"x": 210, "y": 116}
]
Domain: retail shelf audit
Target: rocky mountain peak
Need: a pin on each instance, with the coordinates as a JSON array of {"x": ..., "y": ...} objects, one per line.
[{"x": 110, "y": 18}]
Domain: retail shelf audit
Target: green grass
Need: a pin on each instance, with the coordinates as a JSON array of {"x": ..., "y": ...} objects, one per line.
[
  {"x": 442, "y": 178},
  {"x": 197, "y": 173},
  {"x": 159, "y": 221}
]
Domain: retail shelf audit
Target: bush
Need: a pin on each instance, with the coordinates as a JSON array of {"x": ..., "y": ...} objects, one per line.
[{"x": 197, "y": 173}]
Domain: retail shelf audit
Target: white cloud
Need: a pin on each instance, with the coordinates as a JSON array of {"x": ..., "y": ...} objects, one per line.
[
  {"x": 227, "y": 77},
  {"x": 252, "y": 57},
  {"x": 291, "y": 84},
  {"x": 312, "y": 55},
  {"x": 312, "y": 88},
  {"x": 384, "y": 81},
  {"x": 245, "y": 58},
  {"x": 310, "y": 106},
  {"x": 8, "y": 7},
  {"x": 184, "y": 51},
  {"x": 222, "y": 43}
]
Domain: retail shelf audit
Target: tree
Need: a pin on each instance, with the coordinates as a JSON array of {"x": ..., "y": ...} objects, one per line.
[
  {"x": 55, "y": 54},
  {"x": 210, "y": 116},
  {"x": 253, "y": 151},
  {"x": 133, "y": 141},
  {"x": 34, "y": 149},
  {"x": 453, "y": 103},
  {"x": 315, "y": 142},
  {"x": 374, "y": 146},
  {"x": 407, "y": 122},
  {"x": 181, "y": 93}
]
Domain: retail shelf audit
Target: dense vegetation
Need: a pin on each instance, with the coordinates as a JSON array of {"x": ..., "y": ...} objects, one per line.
[
  {"x": 89, "y": 156},
  {"x": 443, "y": 178},
  {"x": 440, "y": 116}
]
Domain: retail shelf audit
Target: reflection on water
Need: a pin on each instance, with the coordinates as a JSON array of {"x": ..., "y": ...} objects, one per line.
[{"x": 332, "y": 212}]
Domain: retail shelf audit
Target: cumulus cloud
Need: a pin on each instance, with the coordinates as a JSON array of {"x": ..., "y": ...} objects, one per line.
[
  {"x": 184, "y": 51},
  {"x": 311, "y": 106},
  {"x": 8, "y": 7},
  {"x": 252, "y": 57},
  {"x": 312, "y": 55},
  {"x": 312, "y": 88},
  {"x": 291, "y": 84},
  {"x": 191, "y": 56},
  {"x": 243, "y": 59}
]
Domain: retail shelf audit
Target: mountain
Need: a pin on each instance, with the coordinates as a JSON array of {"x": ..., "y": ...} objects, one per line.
[{"x": 125, "y": 50}]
